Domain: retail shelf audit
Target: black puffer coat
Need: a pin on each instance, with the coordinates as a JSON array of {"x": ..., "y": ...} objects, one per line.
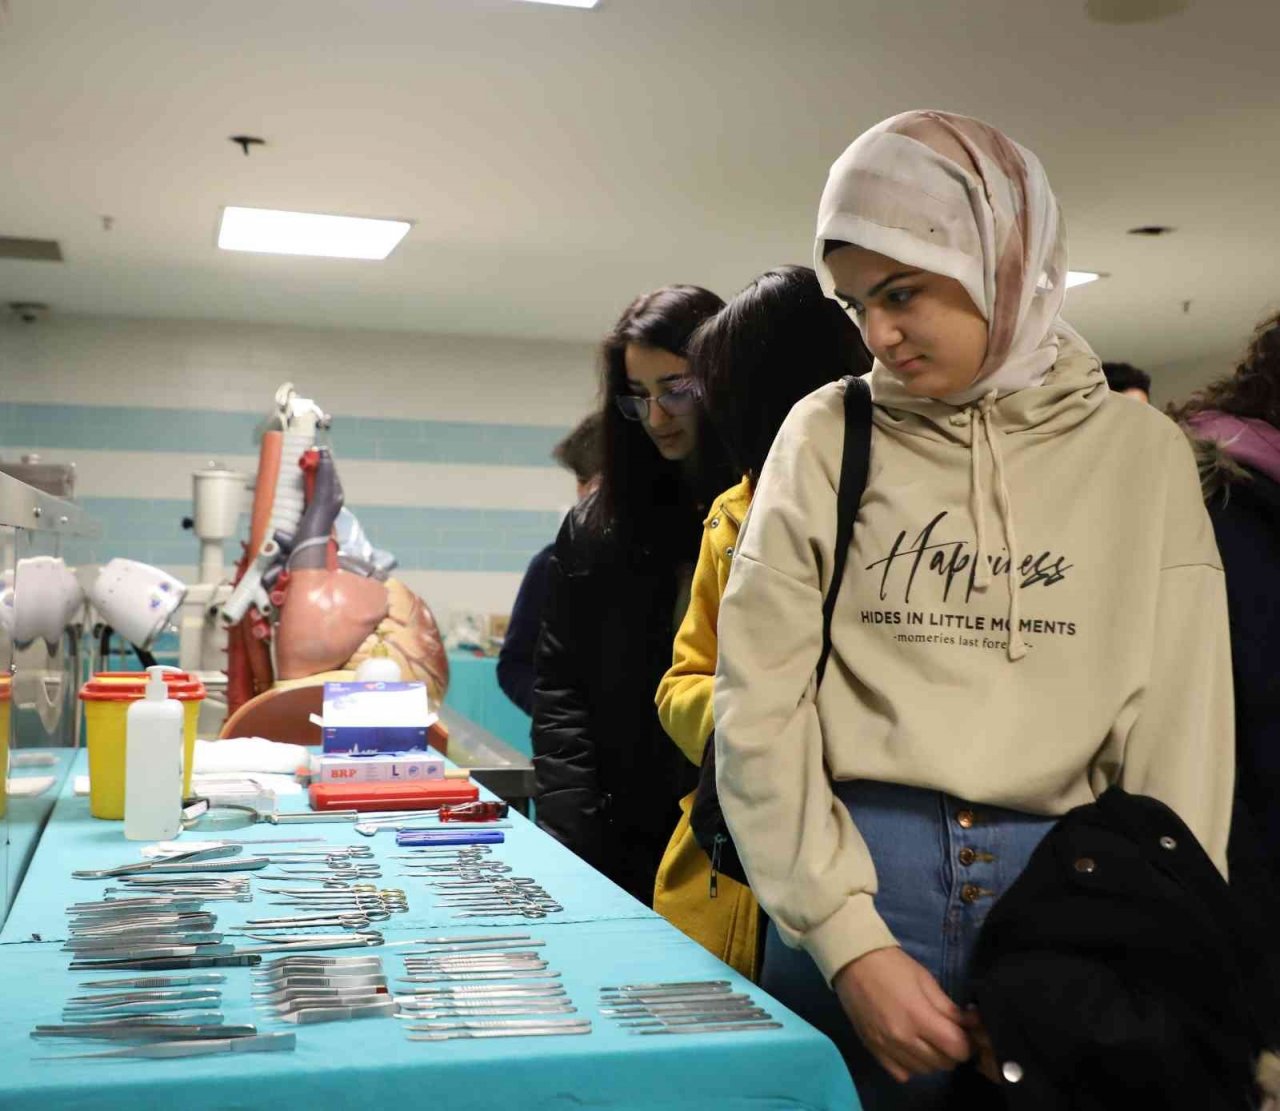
[
  {"x": 609, "y": 778},
  {"x": 1119, "y": 971},
  {"x": 1244, "y": 506}
]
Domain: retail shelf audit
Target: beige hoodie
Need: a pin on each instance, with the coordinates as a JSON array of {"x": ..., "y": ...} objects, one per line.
[{"x": 1126, "y": 676}]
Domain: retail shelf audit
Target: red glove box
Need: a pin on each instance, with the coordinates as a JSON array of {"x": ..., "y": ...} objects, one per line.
[{"x": 424, "y": 794}]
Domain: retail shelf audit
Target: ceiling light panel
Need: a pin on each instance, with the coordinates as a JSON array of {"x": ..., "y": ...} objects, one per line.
[
  {"x": 566, "y": 3},
  {"x": 1081, "y": 277},
  {"x": 278, "y": 232}
]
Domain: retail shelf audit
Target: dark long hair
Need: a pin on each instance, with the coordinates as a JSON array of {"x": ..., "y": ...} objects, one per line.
[
  {"x": 776, "y": 341},
  {"x": 647, "y": 499},
  {"x": 1253, "y": 390}
]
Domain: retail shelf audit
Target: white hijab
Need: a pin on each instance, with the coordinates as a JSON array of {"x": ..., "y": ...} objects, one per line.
[{"x": 954, "y": 196}]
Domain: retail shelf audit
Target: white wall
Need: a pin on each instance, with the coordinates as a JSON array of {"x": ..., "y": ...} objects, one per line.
[
  {"x": 100, "y": 371},
  {"x": 1178, "y": 380}
]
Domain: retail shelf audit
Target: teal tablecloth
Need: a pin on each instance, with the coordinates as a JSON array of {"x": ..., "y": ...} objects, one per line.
[
  {"x": 604, "y": 937},
  {"x": 475, "y": 694},
  {"x": 26, "y": 816}
]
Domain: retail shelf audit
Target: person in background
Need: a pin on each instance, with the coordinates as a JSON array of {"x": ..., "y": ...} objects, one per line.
[
  {"x": 579, "y": 452},
  {"x": 1235, "y": 425},
  {"x": 1016, "y": 631},
  {"x": 776, "y": 341},
  {"x": 1129, "y": 380},
  {"x": 608, "y": 779}
]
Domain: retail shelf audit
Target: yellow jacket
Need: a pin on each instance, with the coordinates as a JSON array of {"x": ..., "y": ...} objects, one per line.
[
  {"x": 727, "y": 925},
  {"x": 685, "y": 693}
]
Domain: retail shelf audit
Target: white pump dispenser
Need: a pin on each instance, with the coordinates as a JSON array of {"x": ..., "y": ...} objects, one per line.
[{"x": 153, "y": 764}]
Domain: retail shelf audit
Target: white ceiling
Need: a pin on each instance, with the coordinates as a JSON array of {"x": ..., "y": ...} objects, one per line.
[{"x": 558, "y": 161}]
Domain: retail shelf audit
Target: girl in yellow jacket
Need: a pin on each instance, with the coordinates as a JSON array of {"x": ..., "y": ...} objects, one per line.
[{"x": 776, "y": 341}]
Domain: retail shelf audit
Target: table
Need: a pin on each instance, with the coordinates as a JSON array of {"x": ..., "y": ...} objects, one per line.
[
  {"x": 474, "y": 693},
  {"x": 26, "y": 815},
  {"x": 602, "y": 937}
]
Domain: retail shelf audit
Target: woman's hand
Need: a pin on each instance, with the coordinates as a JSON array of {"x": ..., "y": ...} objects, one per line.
[{"x": 910, "y": 1025}]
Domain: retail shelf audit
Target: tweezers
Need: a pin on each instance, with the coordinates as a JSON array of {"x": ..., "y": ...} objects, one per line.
[
  {"x": 141, "y": 1032},
  {"x": 211, "y": 852},
  {"x": 258, "y": 1043},
  {"x": 271, "y": 968},
  {"x": 538, "y": 1028},
  {"x": 95, "y": 1019},
  {"x": 167, "y": 963},
  {"x": 142, "y": 1006},
  {"x": 142, "y": 982},
  {"x": 753, "y": 1015},
  {"x": 338, "y": 1014},
  {"x": 134, "y": 995},
  {"x": 728, "y": 1028},
  {"x": 685, "y": 985}
]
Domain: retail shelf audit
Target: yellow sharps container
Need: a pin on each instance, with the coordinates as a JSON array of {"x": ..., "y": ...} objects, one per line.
[{"x": 106, "y": 699}]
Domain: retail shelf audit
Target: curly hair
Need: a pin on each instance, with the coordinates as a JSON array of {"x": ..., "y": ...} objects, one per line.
[{"x": 1253, "y": 390}]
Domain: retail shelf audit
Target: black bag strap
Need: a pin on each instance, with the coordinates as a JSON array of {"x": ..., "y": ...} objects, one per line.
[{"x": 855, "y": 460}]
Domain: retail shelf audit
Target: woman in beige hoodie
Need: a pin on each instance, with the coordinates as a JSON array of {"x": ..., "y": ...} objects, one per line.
[{"x": 983, "y": 678}]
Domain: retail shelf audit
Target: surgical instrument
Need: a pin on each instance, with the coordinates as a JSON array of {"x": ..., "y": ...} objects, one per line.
[
  {"x": 472, "y": 836},
  {"x": 307, "y": 1015},
  {"x": 207, "y": 853},
  {"x": 153, "y": 1018},
  {"x": 159, "y": 981},
  {"x": 479, "y": 977},
  {"x": 132, "y": 994},
  {"x": 234, "y": 864},
  {"x": 236, "y": 816},
  {"x": 428, "y": 1033},
  {"x": 164, "y": 964},
  {"x": 257, "y": 1043},
  {"x": 702, "y": 1029},
  {"x": 141, "y": 1032},
  {"x": 145, "y": 1006}
]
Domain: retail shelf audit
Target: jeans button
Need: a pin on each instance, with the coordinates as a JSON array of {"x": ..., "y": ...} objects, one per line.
[
  {"x": 967, "y": 856},
  {"x": 970, "y": 893},
  {"x": 965, "y": 819}
]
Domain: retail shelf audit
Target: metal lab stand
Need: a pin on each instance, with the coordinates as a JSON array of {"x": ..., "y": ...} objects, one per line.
[
  {"x": 493, "y": 763},
  {"x": 39, "y": 711}
]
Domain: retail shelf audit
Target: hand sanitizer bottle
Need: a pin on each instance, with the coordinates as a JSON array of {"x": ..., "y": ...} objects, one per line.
[{"x": 153, "y": 764}]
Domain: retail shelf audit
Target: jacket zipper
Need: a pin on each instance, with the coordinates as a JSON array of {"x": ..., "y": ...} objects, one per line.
[{"x": 716, "y": 845}]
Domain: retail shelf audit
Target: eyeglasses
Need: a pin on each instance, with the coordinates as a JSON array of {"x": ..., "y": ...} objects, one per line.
[{"x": 678, "y": 401}]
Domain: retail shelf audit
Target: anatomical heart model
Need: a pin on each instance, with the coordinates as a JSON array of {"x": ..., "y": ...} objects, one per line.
[{"x": 312, "y": 595}]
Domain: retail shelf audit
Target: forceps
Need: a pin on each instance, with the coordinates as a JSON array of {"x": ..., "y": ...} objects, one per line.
[
  {"x": 172, "y": 863},
  {"x": 350, "y": 920},
  {"x": 294, "y": 942}
]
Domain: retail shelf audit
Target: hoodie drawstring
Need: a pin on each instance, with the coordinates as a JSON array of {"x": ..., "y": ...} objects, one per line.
[{"x": 981, "y": 414}]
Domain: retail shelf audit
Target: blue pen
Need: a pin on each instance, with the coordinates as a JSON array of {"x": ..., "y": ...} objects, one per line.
[{"x": 413, "y": 837}]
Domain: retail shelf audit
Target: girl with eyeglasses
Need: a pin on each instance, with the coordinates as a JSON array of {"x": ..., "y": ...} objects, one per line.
[
  {"x": 608, "y": 778},
  {"x": 1017, "y": 629}
]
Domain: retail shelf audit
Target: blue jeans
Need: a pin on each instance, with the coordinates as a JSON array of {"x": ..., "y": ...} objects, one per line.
[{"x": 941, "y": 863}]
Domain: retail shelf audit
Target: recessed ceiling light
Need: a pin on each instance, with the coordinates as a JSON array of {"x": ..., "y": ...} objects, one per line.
[
  {"x": 567, "y": 3},
  {"x": 1081, "y": 277},
  {"x": 276, "y": 232}
]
